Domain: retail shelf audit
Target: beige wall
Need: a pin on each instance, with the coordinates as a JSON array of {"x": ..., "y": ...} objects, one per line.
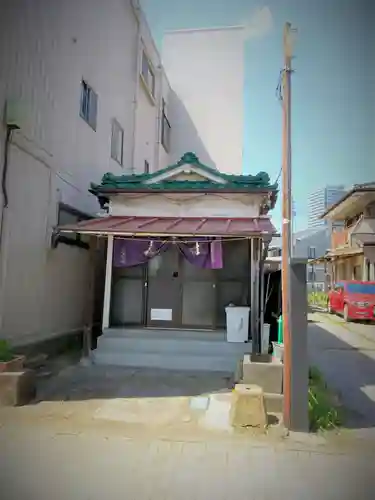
[
  {"x": 44, "y": 53},
  {"x": 345, "y": 268},
  {"x": 192, "y": 205},
  {"x": 43, "y": 290}
]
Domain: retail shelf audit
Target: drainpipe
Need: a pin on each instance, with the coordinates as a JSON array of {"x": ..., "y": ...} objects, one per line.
[{"x": 8, "y": 137}]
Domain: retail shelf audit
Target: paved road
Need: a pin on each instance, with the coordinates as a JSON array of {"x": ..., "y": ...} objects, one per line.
[
  {"x": 38, "y": 464},
  {"x": 345, "y": 353}
]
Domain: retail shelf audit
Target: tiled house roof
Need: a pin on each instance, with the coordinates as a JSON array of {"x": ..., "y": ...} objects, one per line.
[{"x": 215, "y": 180}]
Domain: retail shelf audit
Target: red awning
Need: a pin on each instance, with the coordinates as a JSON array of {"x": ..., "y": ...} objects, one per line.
[{"x": 173, "y": 226}]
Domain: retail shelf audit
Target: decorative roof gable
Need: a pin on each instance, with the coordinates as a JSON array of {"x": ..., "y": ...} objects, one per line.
[{"x": 188, "y": 174}]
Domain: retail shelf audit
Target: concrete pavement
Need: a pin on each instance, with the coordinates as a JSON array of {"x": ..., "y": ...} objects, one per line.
[
  {"x": 60, "y": 449},
  {"x": 345, "y": 354},
  {"x": 39, "y": 463}
]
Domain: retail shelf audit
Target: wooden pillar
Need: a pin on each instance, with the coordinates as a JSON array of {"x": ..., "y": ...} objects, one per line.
[{"x": 108, "y": 283}]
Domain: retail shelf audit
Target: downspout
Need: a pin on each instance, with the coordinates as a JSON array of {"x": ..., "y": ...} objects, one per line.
[
  {"x": 137, "y": 15},
  {"x": 8, "y": 137}
]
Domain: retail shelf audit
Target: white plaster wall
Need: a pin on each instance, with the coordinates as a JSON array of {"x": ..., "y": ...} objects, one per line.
[
  {"x": 206, "y": 71},
  {"x": 46, "y": 48},
  {"x": 149, "y": 110},
  {"x": 194, "y": 205}
]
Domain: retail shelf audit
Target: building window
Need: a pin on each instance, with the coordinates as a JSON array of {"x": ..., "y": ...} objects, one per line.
[
  {"x": 89, "y": 104},
  {"x": 117, "y": 142},
  {"x": 147, "y": 74},
  {"x": 69, "y": 215},
  {"x": 311, "y": 276},
  {"x": 312, "y": 253},
  {"x": 165, "y": 128},
  {"x": 147, "y": 167}
]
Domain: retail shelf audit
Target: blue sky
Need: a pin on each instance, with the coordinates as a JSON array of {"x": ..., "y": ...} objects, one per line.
[{"x": 333, "y": 113}]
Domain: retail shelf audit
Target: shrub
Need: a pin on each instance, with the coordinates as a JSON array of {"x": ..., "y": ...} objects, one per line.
[
  {"x": 318, "y": 299},
  {"x": 6, "y": 353},
  {"x": 323, "y": 415}
]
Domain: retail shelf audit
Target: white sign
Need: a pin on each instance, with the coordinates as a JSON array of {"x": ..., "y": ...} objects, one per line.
[{"x": 161, "y": 314}]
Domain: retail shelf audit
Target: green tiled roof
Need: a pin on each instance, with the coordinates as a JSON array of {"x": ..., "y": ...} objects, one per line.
[{"x": 110, "y": 182}]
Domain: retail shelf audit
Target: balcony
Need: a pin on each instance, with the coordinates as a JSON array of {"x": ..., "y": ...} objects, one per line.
[{"x": 364, "y": 232}]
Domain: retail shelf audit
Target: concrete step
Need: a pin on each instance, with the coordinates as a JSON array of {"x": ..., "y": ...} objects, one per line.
[
  {"x": 108, "y": 344},
  {"x": 166, "y": 361},
  {"x": 274, "y": 403}
]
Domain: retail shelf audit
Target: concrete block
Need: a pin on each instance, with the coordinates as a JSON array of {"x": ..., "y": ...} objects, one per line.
[
  {"x": 14, "y": 365},
  {"x": 238, "y": 372},
  {"x": 248, "y": 408},
  {"x": 274, "y": 402},
  {"x": 263, "y": 371},
  {"x": 17, "y": 388}
]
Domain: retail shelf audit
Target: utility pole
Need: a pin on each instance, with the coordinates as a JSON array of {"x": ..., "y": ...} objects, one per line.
[{"x": 287, "y": 217}]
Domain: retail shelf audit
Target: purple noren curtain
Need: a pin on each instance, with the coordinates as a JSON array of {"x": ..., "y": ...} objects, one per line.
[
  {"x": 199, "y": 252},
  {"x": 129, "y": 253},
  {"x": 203, "y": 253}
]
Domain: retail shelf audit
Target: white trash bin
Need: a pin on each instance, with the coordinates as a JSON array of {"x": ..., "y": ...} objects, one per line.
[{"x": 237, "y": 323}]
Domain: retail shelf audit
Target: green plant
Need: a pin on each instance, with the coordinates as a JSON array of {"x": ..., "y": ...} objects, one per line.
[
  {"x": 6, "y": 353},
  {"x": 318, "y": 299},
  {"x": 323, "y": 415}
]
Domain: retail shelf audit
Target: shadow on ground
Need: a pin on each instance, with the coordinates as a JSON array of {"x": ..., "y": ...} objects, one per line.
[
  {"x": 348, "y": 370},
  {"x": 79, "y": 383}
]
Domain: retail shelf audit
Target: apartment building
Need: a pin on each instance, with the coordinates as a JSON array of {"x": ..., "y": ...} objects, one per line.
[
  {"x": 82, "y": 93},
  {"x": 319, "y": 201}
]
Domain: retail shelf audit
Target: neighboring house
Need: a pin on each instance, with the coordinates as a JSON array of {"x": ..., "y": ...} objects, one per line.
[
  {"x": 206, "y": 70},
  {"x": 308, "y": 244},
  {"x": 183, "y": 243},
  {"x": 352, "y": 250},
  {"x": 82, "y": 92}
]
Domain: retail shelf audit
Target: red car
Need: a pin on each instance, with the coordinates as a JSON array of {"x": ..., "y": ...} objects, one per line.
[{"x": 353, "y": 299}]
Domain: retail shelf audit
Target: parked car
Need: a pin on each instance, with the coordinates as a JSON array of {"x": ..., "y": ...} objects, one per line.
[{"x": 353, "y": 299}]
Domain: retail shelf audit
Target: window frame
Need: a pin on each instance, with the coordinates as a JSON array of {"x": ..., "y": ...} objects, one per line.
[
  {"x": 311, "y": 278},
  {"x": 311, "y": 252},
  {"x": 88, "y": 109},
  {"x": 116, "y": 127},
  {"x": 165, "y": 125},
  {"x": 146, "y": 70}
]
